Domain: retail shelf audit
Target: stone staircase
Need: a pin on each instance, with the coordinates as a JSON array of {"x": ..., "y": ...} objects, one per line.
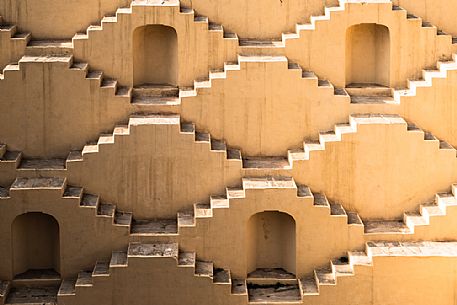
[
  {"x": 12, "y": 41},
  {"x": 66, "y": 46},
  {"x": 322, "y": 281},
  {"x": 74, "y": 196},
  {"x": 249, "y": 46}
]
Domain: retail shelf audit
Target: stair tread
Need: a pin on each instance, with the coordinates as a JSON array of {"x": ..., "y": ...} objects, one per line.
[
  {"x": 186, "y": 218},
  {"x": 354, "y": 218},
  {"x": 61, "y": 43},
  {"x": 359, "y": 258},
  {"x": 337, "y": 209},
  {"x": 219, "y": 202},
  {"x": 118, "y": 258},
  {"x": 89, "y": 200},
  {"x": 321, "y": 200},
  {"x": 33, "y": 295},
  {"x": 221, "y": 276},
  {"x": 385, "y": 226},
  {"x": 325, "y": 276},
  {"x": 106, "y": 209},
  {"x": 73, "y": 192},
  {"x": 268, "y": 183},
  {"x": 38, "y": 183},
  {"x": 84, "y": 278},
  {"x": 274, "y": 293},
  {"x": 67, "y": 287},
  {"x": 266, "y": 162},
  {"x": 153, "y": 250},
  {"x": 101, "y": 269},
  {"x": 204, "y": 268},
  {"x": 239, "y": 287},
  {"x": 42, "y": 164},
  {"x": 122, "y": 218},
  {"x": 422, "y": 249},
  {"x": 186, "y": 259},
  {"x": 154, "y": 226},
  {"x": 309, "y": 286}
]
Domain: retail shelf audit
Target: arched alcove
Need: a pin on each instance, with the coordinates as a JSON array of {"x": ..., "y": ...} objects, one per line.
[
  {"x": 368, "y": 54},
  {"x": 271, "y": 241},
  {"x": 35, "y": 242},
  {"x": 155, "y": 55}
]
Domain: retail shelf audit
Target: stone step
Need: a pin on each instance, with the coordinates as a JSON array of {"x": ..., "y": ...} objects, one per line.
[
  {"x": 73, "y": 192},
  {"x": 44, "y": 295},
  {"x": 186, "y": 219},
  {"x": 266, "y": 163},
  {"x": 106, "y": 210},
  {"x": 204, "y": 269},
  {"x": 309, "y": 286},
  {"x": 42, "y": 164},
  {"x": 152, "y": 90},
  {"x": 276, "y": 293},
  {"x": 413, "y": 249},
  {"x": 386, "y": 227},
  {"x": 202, "y": 210},
  {"x": 321, "y": 200},
  {"x": 84, "y": 279},
  {"x": 123, "y": 218},
  {"x": 51, "y": 183},
  {"x": 37, "y": 278},
  {"x": 271, "y": 276},
  {"x": 90, "y": 201},
  {"x": 325, "y": 276},
  {"x": 239, "y": 287},
  {"x": 118, "y": 259},
  {"x": 154, "y": 227},
  {"x": 186, "y": 259},
  {"x": 372, "y": 100},
  {"x": 101, "y": 269},
  {"x": 362, "y": 89},
  {"x": 49, "y": 47},
  {"x": 221, "y": 276},
  {"x": 153, "y": 250},
  {"x": 341, "y": 267},
  {"x": 67, "y": 288},
  {"x": 359, "y": 258}
]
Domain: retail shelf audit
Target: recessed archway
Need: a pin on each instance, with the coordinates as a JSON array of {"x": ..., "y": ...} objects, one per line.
[
  {"x": 155, "y": 55},
  {"x": 35, "y": 242},
  {"x": 368, "y": 54},
  {"x": 271, "y": 241}
]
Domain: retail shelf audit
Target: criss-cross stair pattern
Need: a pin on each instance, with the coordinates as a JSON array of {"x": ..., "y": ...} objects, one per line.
[
  {"x": 189, "y": 218},
  {"x": 314, "y": 22},
  {"x": 305, "y": 288},
  {"x": 217, "y": 146},
  {"x": 66, "y": 46},
  {"x": 102, "y": 210},
  {"x": 15, "y": 159},
  {"x": 336, "y": 135}
]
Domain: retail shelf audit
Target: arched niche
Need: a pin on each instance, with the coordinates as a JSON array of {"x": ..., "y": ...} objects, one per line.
[
  {"x": 35, "y": 242},
  {"x": 368, "y": 54},
  {"x": 271, "y": 241},
  {"x": 155, "y": 55}
]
